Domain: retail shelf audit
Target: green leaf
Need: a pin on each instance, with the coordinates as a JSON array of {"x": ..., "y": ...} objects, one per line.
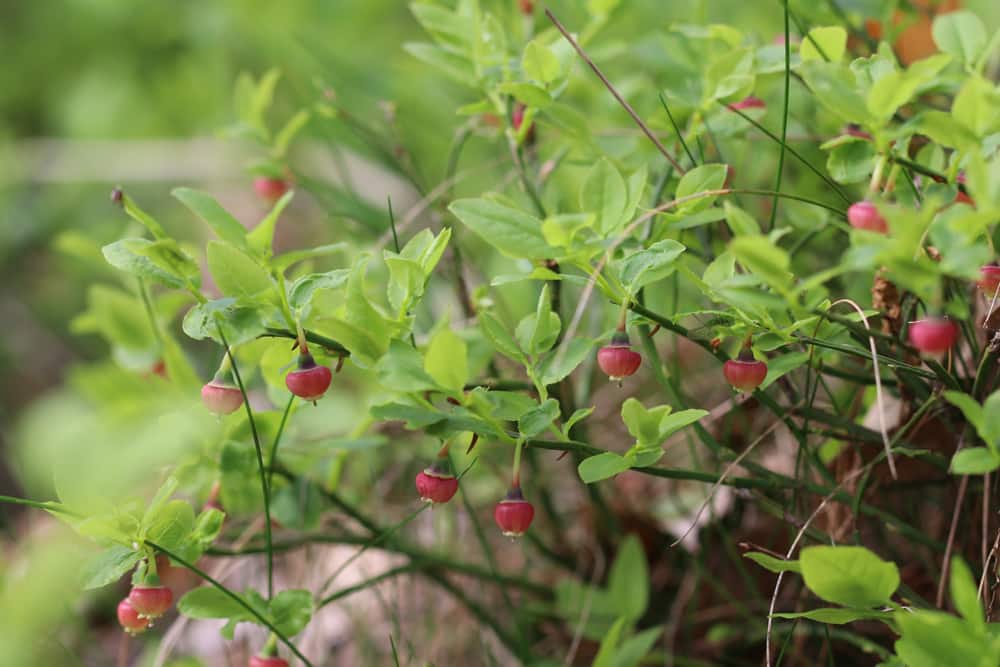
[
  {"x": 933, "y": 638},
  {"x": 991, "y": 421},
  {"x": 288, "y": 132},
  {"x": 512, "y": 232},
  {"x": 965, "y": 595},
  {"x": 527, "y": 93},
  {"x": 960, "y": 33},
  {"x": 402, "y": 369},
  {"x": 650, "y": 265},
  {"x": 602, "y": 466},
  {"x": 604, "y": 194},
  {"x": 762, "y": 257},
  {"x": 971, "y": 410},
  {"x": 897, "y": 88},
  {"x": 446, "y": 360},
  {"x": 576, "y": 351},
  {"x": 606, "y": 651},
  {"x": 239, "y": 323},
  {"x": 780, "y": 365},
  {"x": 832, "y": 40},
  {"x": 290, "y": 611},
  {"x": 150, "y": 260},
  {"x": 835, "y": 86},
  {"x": 773, "y": 564},
  {"x": 700, "y": 179},
  {"x": 942, "y": 129},
  {"x": 643, "y": 424},
  {"x": 108, "y": 566},
  {"x": 741, "y": 222},
  {"x": 210, "y": 602},
  {"x": 538, "y": 418},
  {"x": 974, "y": 461},
  {"x": 301, "y": 293},
  {"x": 537, "y": 333},
  {"x": 498, "y": 335},
  {"x": 540, "y": 63},
  {"x": 171, "y": 526},
  {"x": 675, "y": 421},
  {"x": 975, "y": 107},
  {"x": 283, "y": 261},
  {"x": 628, "y": 581},
  {"x": 851, "y": 162},
  {"x": 236, "y": 273},
  {"x": 849, "y": 576},
  {"x": 836, "y": 615},
  {"x": 577, "y": 416},
  {"x": 634, "y": 649},
  {"x": 261, "y": 238},
  {"x": 211, "y": 212},
  {"x": 455, "y": 67}
]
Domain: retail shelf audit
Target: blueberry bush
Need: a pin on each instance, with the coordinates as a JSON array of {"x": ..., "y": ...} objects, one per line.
[{"x": 706, "y": 318}]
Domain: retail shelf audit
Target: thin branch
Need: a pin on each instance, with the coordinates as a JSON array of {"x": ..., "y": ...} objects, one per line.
[{"x": 621, "y": 100}]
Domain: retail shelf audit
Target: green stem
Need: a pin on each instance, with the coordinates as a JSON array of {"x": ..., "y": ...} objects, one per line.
[
  {"x": 784, "y": 121},
  {"x": 277, "y": 440},
  {"x": 265, "y": 488},
  {"x": 328, "y": 344},
  {"x": 235, "y": 598}
]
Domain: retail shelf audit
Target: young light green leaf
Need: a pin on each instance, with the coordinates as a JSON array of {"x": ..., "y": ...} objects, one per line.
[
  {"x": 773, "y": 564},
  {"x": 849, "y": 576},
  {"x": 700, "y": 179},
  {"x": 602, "y": 466},
  {"x": 974, "y": 461},
  {"x": 211, "y": 212},
  {"x": 824, "y": 43},
  {"x": 741, "y": 222},
  {"x": 446, "y": 359},
  {"x": 964, "y": 594},
  {"x": 961, "y": 34},
  {"x": 261, "y": 238},
  {"x": 539, "y": 63},
  {"x": 302, "y": 290},
  {"x": 643, "y": 424},
  {"x": 677, "y": 420}
]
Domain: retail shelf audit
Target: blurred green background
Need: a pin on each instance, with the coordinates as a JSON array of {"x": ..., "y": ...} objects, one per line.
[{"x": 98, "y": 93}]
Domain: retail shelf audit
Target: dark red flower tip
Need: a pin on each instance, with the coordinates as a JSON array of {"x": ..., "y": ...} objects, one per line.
[
  {"x": 151, "y": 601},
  {"x": 130, "y": 619},
  {"x": 435, "y": 486},
  {"x": 527, "y": 6},
  {"x": 745, "y": 375},
  {"x": 270, "y": 189},
  {"x": 310, "y": 381},
  {"x": 749, "y": 102},
  {"x": 222, "y": 399},
  {"x": 514, "y": 514},
  {"x": 989, "y": 278},
  {"x": 265, "y": 661},
  {"x": 933, "y": 336},
  {"x": 864, "y": 215},
  {"x": 854, "y": 130}
]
